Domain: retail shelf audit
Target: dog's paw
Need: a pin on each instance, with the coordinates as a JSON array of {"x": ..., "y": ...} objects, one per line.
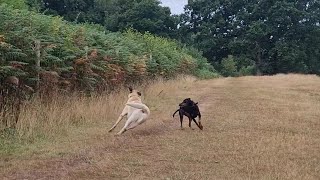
[{"x": 119, "y": 134}]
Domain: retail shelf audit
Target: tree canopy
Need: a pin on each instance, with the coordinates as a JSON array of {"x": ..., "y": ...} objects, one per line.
[
  {"x": 115, "y": 15},
  {"x": 272, "y": 36}
]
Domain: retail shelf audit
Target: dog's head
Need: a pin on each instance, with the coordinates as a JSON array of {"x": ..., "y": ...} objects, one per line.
[
  {"x": 187, "y": 102},
  {"x": 134, "y": 93}
]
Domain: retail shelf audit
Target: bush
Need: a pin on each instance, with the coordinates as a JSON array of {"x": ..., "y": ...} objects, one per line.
[
  {"x": 206, "y": 74},
  {"x": 247, "y": 71},
  {"x": 229, "y": 67}
]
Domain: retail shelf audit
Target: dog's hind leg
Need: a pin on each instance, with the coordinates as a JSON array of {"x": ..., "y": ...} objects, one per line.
[
  {"x": 199, "y": 125},
  {"x": 136, "y": 123},
  {"x": 135, "y": 120},
  {"x": 181, "y": 118},
  {"x": 124, "y": 129},
  {"x": 131, "y": 122},
  {"x": 124, "y": 112}
]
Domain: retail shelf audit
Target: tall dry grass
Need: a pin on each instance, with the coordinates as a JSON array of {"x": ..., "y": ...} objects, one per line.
[
  {"x": 254, "y": 128},
  {"x": 48, "y": 119}
]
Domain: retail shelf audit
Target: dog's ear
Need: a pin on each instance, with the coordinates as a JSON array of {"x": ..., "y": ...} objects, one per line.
[
  {"x": 196, "y": 103},
  {"x": 130, "y": 89},
  {"x": 139, "y": 93}
]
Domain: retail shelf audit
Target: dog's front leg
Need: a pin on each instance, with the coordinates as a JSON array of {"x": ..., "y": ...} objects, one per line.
[
  {"x": 200, "y": 126},
  {"x": 124, "y": 112}
]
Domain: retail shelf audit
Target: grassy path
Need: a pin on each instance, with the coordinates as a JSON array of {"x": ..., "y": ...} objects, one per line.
[{"x": 254, "y": 128}]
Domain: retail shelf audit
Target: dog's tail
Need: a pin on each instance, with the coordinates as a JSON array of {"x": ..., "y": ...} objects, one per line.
[
  {"x": 144, "y": 108},
  {"x": 175, "y": 113}
]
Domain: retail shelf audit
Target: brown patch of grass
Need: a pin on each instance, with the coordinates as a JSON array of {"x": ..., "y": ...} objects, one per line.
[{"x": 254, "y": 128}]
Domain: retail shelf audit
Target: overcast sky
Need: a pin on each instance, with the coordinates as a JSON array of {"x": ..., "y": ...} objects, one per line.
[{"x": 176, "y": 6}]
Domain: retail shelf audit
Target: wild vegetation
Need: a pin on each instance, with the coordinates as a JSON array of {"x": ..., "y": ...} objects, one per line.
[
  {"x": 86, "y": 54},
  {"x": 260, "y": 37},
  {"x": 48, "y": 55}
]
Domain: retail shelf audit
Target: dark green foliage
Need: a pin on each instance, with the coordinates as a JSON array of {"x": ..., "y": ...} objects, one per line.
[
  {"x": 114, "y": 15},
  {"x": 271, "y": 36},
  {"x": 229, "y": 67}
]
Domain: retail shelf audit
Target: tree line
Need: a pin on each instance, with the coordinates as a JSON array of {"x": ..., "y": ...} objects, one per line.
[
  {"x": 238, "y": 37},
  {"x": 114, "y": 15},
  {"x": 263, "y": 36}
]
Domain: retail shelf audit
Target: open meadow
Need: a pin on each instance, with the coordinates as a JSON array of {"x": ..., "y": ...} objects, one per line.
[{"x": 265, "y": 127}]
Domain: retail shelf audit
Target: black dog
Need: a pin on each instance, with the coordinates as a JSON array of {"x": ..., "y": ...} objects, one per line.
[{"x": 191, "y": 110}]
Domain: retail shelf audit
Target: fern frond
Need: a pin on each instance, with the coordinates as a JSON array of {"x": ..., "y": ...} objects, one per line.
[
  {"x": 11, "y": 71},
  {"x": 70, "y": 57},
  {"x": 52, "y": 58},
  {"x": 65, "y": 69},
  {"x": 15, "y": 55},
  {"x": 18, "y": 62},
  {"x": 96, "y": 67}
]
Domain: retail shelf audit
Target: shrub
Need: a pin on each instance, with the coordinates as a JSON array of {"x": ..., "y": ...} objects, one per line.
[
  {"x": 206, "y": 74},
  {"x": 247, "y": 71},
  {"x": 229, "y": 67}
]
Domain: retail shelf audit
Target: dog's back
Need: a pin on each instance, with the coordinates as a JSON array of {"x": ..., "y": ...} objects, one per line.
[
  {"x": 190, "y": 107},
  {"x": 136, "y": 111}
]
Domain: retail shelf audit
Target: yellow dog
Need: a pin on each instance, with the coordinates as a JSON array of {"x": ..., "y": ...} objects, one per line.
[{"x": 137, "y": 112}]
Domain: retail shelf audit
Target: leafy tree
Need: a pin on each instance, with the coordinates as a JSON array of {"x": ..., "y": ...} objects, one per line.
[
  {"x": 274, "y": 36},
  {"x": 229, "y": 67},
  {"x": 148, "y": 16},
  {"x": 115, "y": 15}
]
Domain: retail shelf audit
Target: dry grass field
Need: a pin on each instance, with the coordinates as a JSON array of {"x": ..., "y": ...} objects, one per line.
[{"x": 254, "y": 128}]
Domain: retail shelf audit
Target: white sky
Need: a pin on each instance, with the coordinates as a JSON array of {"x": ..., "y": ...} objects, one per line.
[{"x": 176, "y": 6}]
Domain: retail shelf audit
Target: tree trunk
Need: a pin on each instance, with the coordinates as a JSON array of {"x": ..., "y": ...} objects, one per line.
[
  {"x": 38, "y": 59},
  {"x": 259, "y": 60}
]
